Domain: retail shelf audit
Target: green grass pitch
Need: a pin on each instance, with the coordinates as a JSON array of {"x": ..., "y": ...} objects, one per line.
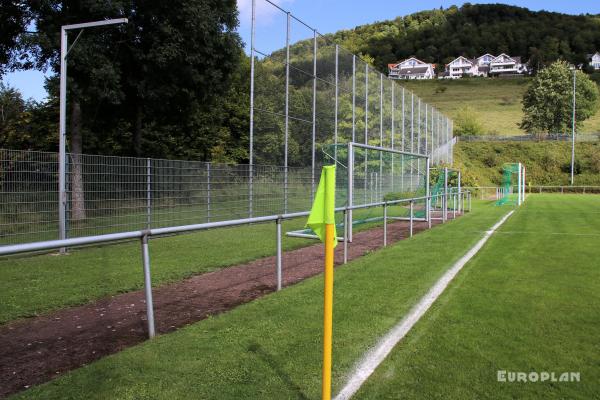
[{"x": 529, "y": 301}]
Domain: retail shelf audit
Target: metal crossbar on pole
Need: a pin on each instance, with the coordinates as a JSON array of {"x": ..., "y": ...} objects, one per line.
[{"x": 62, "y": 140}]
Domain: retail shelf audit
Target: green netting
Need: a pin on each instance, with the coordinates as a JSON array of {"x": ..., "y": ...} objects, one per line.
[
  {"x": 506, "y": 188},
  {"x": 378, "y": 175},
  {"x": 437, "y": 190}
]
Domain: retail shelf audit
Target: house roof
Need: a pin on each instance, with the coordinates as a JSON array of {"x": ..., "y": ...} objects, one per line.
[
  {"x": 464, "y": 58},
  {"x": 414, "y": 70},
  {"x": 486, "y": 54},
  {"x": 505, "y": 55},
  {"x": 413, "y": 58}
]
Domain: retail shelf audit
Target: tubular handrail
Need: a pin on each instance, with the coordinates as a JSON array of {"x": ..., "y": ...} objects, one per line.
[{"x": 144, "y": 235}]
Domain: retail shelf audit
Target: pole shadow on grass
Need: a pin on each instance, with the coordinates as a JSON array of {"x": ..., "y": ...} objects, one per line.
[{"x": 269, "y": 360}]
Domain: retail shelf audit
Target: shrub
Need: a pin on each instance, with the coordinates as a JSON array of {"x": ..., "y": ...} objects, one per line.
[
  {"x": 467, "y": 123},
  {"x": 550, "y": 162},
  {"x": 594, "y": 163}
]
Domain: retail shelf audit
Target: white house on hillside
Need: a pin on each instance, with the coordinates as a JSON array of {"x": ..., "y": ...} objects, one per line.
[
  {"x": 463, "y": 66},
  {"x": 594, "y": 60},
  {"x": 411, "y": 68},
  {"x": 506, "y": 65},
  {"x": 483, "y": 64},
  {"x": 460, "y": 67}
]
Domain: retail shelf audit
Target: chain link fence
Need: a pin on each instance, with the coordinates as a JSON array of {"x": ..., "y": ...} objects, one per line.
[
  {"x": 112, "y": 194},
  {"x": 580, "y": 137},
  {"x": 308, "y": 91}
]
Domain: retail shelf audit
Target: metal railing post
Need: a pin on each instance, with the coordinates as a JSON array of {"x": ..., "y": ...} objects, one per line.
[
  {"x": 346, "y": 236},
  {"x": 428, "y": 205},
  {"x": 454, "y": 198},
  {"x": 445, "y": 198},
  {"x": 469, "y": 201},
  {"x": 350, "y": 189},
  {"x": 411, "y": 218},
  {"x": 385, "y": 224},
  {"x": 279, "y": 258},
  {"x": 148, "y": 287}
]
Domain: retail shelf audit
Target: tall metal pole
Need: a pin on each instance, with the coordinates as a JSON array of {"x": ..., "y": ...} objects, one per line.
[
  {"x": 62, "y": 140},
  {"x": 393, "y": 116},
  {"x": 251, "y": 134},
  {"x": 419, "y": 138},
  {"x": 380, "y": 187},
  {"x": 366, "y": 104},
  {"x": 314, "y": 118},
  {"x": 353, "y": 98},
  {"x": 393, "y": 132},
  {"x": 402, "y": 144},
  {"x": 335, "y": 122},
  {"x": 412, "y": 139},
  {"x": 366, "y": 127},
  {"x": 573, "y": 129},
  {"x": 426, "y": 145},
  {"x": 287, "y": 113}
]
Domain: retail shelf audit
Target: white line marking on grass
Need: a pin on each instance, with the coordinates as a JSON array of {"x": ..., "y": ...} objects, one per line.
[{"x": 385, "y": 345}]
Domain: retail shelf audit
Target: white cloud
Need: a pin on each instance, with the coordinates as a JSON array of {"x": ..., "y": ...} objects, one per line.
[{"x": 264, "y": 10}]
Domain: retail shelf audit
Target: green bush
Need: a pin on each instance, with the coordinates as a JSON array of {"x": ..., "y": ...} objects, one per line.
[{"x": 466, "y": 123}]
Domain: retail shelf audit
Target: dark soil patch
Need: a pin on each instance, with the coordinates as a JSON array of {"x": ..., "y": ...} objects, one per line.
[{"x": 36, "y": 350}]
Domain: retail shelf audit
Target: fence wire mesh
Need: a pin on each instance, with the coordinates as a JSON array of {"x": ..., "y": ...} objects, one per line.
[
  {"x": 112, "y": 194},
  {"x": 307, "y": 92},
  {"x": 310, "y": 91}
]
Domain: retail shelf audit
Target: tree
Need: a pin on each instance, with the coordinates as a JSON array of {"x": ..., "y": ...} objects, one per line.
[
  {"x": 146, "y": 88},
  {"x": 14, "y": 16},
  {"x": 547, "y": 102},
  {"x": 27, "y": 124}
]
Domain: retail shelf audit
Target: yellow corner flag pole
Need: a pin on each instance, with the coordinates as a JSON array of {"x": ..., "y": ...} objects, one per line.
[
  {"x": 328, "y": 311},
  {"x": 322, "y": 221}
]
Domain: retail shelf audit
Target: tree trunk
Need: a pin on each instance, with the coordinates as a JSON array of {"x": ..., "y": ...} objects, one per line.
[
  {"x": 77, "y": 191},
  {"x": 137, "y": 133}
]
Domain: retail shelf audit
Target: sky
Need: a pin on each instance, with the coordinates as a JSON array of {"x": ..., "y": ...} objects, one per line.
[{"x": 326, "y": 16}]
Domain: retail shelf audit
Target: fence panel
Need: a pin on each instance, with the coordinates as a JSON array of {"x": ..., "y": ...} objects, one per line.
[{"x": 107, "y": 194}]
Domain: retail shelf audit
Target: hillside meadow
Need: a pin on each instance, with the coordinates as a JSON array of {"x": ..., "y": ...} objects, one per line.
[
  {"x": 547, "y": 163},
  {"x": 496, "y": 103}
]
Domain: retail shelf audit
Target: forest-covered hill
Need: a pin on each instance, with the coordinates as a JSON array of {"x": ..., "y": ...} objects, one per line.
[
  {"x": 184, "y": 96},
  {"x": 440, "y": 35}
]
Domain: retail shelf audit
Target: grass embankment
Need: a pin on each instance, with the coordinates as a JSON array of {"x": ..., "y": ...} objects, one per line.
[
  {"x": 271, "y": 347},
  {"x": 529, "y": 301},
  {"x": 496, "y": 102},
  {"x": 547, "y": 163}
]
